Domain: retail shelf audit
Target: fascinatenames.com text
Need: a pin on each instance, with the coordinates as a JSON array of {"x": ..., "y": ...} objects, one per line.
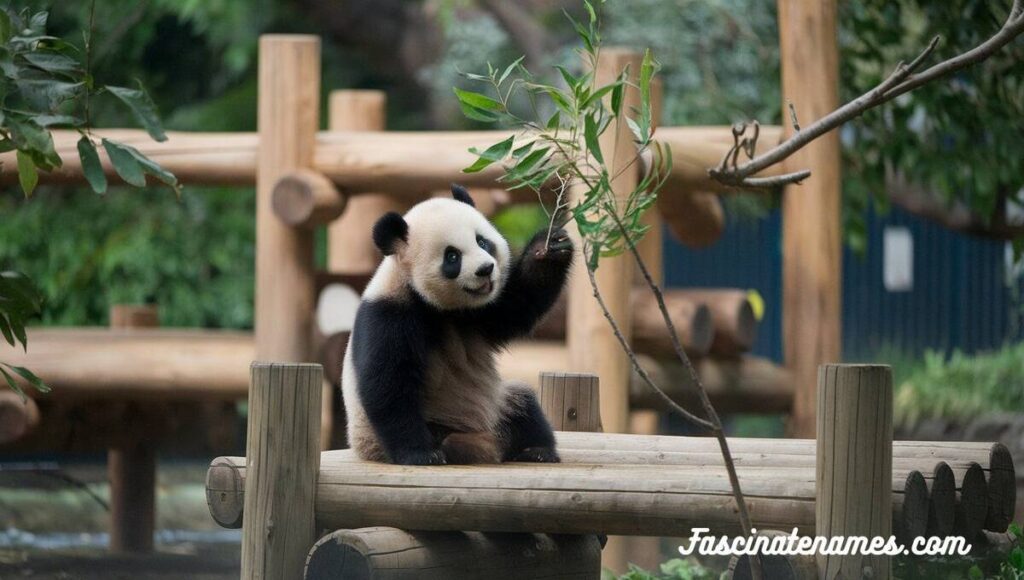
[{"x": 794, "y": 544}]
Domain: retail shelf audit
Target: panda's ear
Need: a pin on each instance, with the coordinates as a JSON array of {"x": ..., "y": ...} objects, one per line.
[
  {"x": 460, "y": 194},
  {"x": 390, "y": 233}
]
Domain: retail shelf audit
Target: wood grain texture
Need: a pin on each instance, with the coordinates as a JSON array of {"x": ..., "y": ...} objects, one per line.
[
  {"x": 350, "y": 246},
  {"x": 811, "y": 228},
  {"x": 131, "y": 462},
  {"x": 593, "y": 347},
  {"x": 571, "y": 401},
  {"x": 971, "y": 501},
  {"x": 383, "y": 553},
  {"x": 289, "y": 112},
  {"x": 283, "y": 451},
  {"x": 696, "y": 219},
  {"x": 732, "y": 316},
  {"x": 854, "y": 464},
  {"x": 941, "y": 501}
]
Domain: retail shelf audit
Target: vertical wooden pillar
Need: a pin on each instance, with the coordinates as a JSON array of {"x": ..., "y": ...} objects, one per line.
[
  {"x": 592, "y": 345},
  {"x": 854, "y": 464},
  {"x": 812, "y": 269},
  {"x": 131, "y": 462},
  {"x": 282, "y": 465},
  {"x": 350, "y": 248},
  {"x": 289, "y": 109}
]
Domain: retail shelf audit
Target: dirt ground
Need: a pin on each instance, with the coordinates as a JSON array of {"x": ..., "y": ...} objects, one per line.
[{"x": 53, "y": 525}]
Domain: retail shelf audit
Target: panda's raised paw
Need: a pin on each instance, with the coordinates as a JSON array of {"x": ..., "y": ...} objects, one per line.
[
  {"x": 558, "y": 247},
  {"x": 428, "y": 457},
  {"x": 538, "y": 455}
]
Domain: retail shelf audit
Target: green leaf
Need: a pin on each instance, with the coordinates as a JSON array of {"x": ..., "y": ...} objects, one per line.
[
  {"x": 599, "y": 94},
  {"x": 492, "y": 154},
  {"x": 30, "y": 377},
  {"x": 91, "y": 166},
  {"x": 142, "y": 109},
  {"x": 36, "y": 141},
  {"x": 617, "y": 93},
  {"x": 13, "y": 385},
  {"x": 6, "y": 29},
  {"x": 28, "y": 175},
  {"x": 478, "y": 101},
  {"x": 125, "y": 164},
  {"x": 590, "y": 135},
  {"x": 555, "y": 121},
  {"x": 51, "y": 120},
  {"x": 5, "y": 329},
  {"x": 47, "y": 94},
  {"x": 52, "y": 62},
  {"x": 509, "y": 69}
]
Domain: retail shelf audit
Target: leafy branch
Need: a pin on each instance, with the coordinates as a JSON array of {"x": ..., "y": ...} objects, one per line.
[
  {"x": 905, "y": 78},
  {"x": 561, "y": 151}
]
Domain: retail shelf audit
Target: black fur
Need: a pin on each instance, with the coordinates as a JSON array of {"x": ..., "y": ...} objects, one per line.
[
  {"x": 451, "y": 264},
  {"x": 526, "y": 433},
  {"x": 395, "y": 340},
  {"x": 460, "y": 194},
  {"x": 388, "y": 230}
]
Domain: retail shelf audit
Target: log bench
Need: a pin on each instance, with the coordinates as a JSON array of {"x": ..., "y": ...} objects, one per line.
[{"x": 607, "y": 484}]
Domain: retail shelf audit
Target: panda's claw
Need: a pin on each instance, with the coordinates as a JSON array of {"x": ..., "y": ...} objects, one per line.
[
  {"x": 538, "y": 455},
  {"x": 428, "y": 457}
]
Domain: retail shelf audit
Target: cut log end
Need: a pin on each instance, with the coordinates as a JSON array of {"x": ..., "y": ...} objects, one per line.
[
  {"x": 305, "y": 198},
  {"x": 972, "y": 502},
  {"x": 793, "y": 567},
  {"x": 225, "y": 492},
  {"x": 1002, "y": 489},
  {"x": 17, "y": 416},
  {"x": 910, "y": 510},
  {"x": 941, "y": 501}
]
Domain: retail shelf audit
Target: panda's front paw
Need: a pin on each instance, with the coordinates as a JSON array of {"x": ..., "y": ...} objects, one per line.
[
  {"x": 421, "y": 457},
  {"x": 558, "y": 248},
  {"x": 538, "y": 455}
]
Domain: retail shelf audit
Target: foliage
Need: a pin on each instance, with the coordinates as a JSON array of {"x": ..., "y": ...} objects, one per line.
[
  {"x": 19, "y": 301},
  {"x": 193, "y": 257},
  {"x": 960, "y": 138},
  {"x": 44, "y": 85},
  {"x": 558, "y": 144},
  {"x": 674, "y": 569},
  {"x": 963, "y": 386}
]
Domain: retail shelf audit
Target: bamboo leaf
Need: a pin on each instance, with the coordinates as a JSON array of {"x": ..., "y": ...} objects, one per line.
[
  {"x": 590, "y": 135},
  {"x": 509, "y": 69},
  {"x": 13, "y": 385},
  {"x": 478, "y": 100},
  {"x": 30, "y": 377},
  {"x": 492, "y": 154}
]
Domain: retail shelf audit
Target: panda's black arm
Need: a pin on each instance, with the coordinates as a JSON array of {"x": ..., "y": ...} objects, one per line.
[
  {"x": 390, "y": 353},
  {"x": 534, "y": 283}
]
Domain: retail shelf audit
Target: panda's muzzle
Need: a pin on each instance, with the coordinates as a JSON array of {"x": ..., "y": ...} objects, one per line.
[{"x": 482, "y": 290}]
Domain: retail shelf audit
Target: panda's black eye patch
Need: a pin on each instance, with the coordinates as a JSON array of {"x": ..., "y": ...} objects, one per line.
[
  {"x": 452, "y": 264},
  {"x": 485, "y": 244}
]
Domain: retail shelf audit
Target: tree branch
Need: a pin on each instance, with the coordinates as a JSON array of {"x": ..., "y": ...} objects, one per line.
[
  {"x": 956, "y": 216},
  {"x": 522, "y": 27},
  {"x": 903, "y": 79}
]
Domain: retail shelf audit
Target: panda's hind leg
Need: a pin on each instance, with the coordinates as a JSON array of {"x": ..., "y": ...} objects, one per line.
[{"x": 524, "y": 432}]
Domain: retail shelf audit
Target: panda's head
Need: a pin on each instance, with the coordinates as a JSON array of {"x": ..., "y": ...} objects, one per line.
[{"x": 453, "y": 257}]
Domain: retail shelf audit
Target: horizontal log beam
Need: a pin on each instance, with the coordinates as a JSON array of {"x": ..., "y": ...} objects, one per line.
[{"x": 407, "y": 164}]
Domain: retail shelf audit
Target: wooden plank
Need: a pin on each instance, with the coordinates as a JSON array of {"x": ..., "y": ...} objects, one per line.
[
  {"x": 811, "y": 225},
  {"x": 283, "y": 445},
  {"x": 289, "y": 99}
]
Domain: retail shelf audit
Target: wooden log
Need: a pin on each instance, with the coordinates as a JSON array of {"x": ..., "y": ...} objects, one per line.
[
  {"x": 1002, "y": 488},
  {"x": 284, "y": 443},
  {"x": 306, "y": 199},
  {"x": 941, "y": 501},
  {"x": 696, "y": 148},
  {"x": 793, "y": 567},
  {"x": 746, "y": 385},
  {"x": 392, "y": 554},
  {"x": 131, "y": 462},
  {"x": 909, "y": 491},
  {"x": 571, "y": 401},
  {"x": 909, "y": 506},
  {"x": 812, "y": 257},
  {"x": 137, "y": 363},
  {"x": 350, "y": 246},
  {"x": 854, "y": 464},
  {"x": 289, "y": 89},
  {"x": 732, "y": 316},
  {"x": 971, "y": 502},
  {"x": 17, "y": 416},
  {"x": 695, "y": 218},
  {"x": 693, "y": 322},
  {"x": 593, "y": 347}
]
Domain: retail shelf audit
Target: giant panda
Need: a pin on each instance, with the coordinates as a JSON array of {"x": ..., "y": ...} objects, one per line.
[{"x": 419, "y": 377}]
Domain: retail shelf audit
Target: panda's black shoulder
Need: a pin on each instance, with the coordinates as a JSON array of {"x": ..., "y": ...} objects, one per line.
[{"x": 385, "y": 324}]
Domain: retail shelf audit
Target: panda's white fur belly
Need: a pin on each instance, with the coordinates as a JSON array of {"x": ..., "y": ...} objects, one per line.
[{"x": 463, "y": 389}]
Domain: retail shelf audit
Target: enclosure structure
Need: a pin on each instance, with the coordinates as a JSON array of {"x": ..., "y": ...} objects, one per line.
[
  {"x": 347, "y": 175},
  {"x": 495, "y": 521}
]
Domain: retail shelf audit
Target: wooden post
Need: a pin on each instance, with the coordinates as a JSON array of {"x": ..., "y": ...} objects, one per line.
[
  {"x": 811, "y": 229},
  {"x": 854, "y": 464},
  {"x": 131, "y": 462},
  {"x": 593, "y": 347},
  {"x": 289, "y": 105},
  {"x": 571, "y": 401},
  {"x": 350, "y": 248},
  {"x": 17, "y": 416},
  {"x": 283, "y": 460}
]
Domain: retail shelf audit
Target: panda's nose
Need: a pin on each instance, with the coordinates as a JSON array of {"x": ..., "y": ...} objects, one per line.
[{"x": 485, "y": 270}]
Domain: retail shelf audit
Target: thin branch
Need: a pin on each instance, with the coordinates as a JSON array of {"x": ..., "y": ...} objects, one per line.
[{"x": 903, "y": 79}]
